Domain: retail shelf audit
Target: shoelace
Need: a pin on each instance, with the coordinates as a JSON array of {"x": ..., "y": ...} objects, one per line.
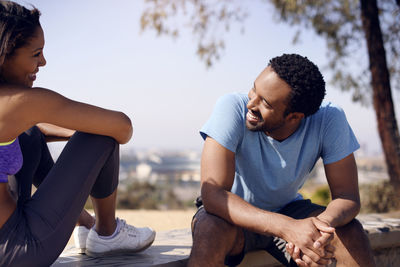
[{"x": 128, "y": 228}]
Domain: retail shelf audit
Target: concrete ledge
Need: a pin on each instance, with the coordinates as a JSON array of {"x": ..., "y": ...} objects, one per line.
[
  {"x": 384, "y": 236},
  {"x": 172, "y": 249},
  {"x": 382, "y": 232}
]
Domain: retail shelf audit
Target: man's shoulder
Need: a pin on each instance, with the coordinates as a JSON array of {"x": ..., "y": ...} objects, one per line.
[
  {"x": 329, "y": 105},
  {"x": 234, "y": 98},
  {"x": 328, "y": 109},
  {"x": 226, "y": 122},
  {"x": 232, "y": 103}
]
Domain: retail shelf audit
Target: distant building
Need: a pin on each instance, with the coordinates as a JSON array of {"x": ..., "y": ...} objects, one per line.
[
  {"x": 184, "y": 168},
  {"x": 167, "y": 167}
]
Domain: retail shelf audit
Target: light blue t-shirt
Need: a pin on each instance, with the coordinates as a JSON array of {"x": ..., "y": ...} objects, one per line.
[{"x": 269, "y": 173}]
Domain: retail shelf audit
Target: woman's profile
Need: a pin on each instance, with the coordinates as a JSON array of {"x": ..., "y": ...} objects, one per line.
[{"x": 34, "y": 229}]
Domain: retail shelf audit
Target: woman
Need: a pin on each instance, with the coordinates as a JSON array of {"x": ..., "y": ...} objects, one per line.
[{"x": 35, "y": 229}]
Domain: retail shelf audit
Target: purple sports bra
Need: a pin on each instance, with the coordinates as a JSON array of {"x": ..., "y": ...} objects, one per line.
[{"x": 10, "y": 159}]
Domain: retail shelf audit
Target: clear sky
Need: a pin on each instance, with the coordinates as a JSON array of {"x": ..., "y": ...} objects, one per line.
[{"x": 96, "y": 53}]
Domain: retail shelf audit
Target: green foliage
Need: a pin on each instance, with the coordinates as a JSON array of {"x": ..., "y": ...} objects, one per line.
[
  {"x": 138, "y": 195},
  {"x": 337, "y": 21},
  {"x": 320, "y": 195},
  {"x": 379, "y": 197},
  {"x": 207, "y": 20},
  {"x": 143, "y": 195},
  {"x": 375, "y": 198}
]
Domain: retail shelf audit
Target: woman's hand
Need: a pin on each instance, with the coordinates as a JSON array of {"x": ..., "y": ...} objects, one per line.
[{"x": 54, "y": 133}]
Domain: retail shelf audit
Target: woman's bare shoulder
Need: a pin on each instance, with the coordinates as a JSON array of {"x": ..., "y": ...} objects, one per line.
[
  {"x": 11, "y": 96},
  {"x": 16, "y": 90},
  {"x": 19, "y": 108}
]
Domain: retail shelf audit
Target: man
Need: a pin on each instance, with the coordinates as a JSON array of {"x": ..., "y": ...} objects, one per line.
[{"x": 258, "y": 151}]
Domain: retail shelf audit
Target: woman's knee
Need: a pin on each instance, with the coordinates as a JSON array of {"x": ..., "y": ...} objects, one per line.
[
  {"x": 31, "y": 140},
  {"x": 94, "y": 138},
  {"x": 93, "y": 142},
  {"x": 34, "y": 132},
  {"x": 107, "y": 148}
]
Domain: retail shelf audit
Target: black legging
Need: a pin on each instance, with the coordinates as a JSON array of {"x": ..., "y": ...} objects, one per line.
[{"x": 38, "y": 230}]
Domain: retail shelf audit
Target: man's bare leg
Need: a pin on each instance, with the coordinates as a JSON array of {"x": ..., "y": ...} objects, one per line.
[
  {"x": 213, "y": 239},
  {"x": 352, "y": 246}
]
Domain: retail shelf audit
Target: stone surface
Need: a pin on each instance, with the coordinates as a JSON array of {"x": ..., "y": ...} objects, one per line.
[
  {"x": 382, "y": 232},
  {"x": 172, "y": 248}
]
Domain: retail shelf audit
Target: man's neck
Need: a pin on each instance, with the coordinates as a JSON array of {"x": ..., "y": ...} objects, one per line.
[{"x": 285, "y": 132}]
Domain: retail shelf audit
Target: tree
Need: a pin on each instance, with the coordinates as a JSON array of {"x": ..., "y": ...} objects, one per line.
[
  {"x": 346, "y": 25},
  {"x": 207, "y": 21},
  {"x": 382, "y": 97}
]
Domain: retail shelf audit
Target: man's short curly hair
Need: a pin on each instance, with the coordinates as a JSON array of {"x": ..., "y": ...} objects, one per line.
[{"x": 305, "y": 79}]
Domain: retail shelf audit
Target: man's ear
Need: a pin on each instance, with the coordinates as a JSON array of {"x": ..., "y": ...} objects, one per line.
[{"x": 295, "y": 117}]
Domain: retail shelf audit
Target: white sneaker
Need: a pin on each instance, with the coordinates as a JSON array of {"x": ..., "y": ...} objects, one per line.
[
  {"x": 80, "y": 235},
  {"x": 129, "y": 239}
]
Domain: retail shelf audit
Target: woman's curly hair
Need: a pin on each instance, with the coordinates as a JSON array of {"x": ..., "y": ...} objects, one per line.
[{"x": 305, "y": 79}]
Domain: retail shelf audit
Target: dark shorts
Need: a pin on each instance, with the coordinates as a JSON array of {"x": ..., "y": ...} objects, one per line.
[{"x": 274, "y": 245}]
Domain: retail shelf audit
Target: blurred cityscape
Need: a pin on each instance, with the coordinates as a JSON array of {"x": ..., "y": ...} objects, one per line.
[
  {"x": 178, "y": 171},
  {"x": 183, "y": 167},
  {"x": 181, "y": 170},
  {"x": 156, "y": 179}
]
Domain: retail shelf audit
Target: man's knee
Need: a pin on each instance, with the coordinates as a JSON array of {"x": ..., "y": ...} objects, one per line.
[
  {"x": 348, "y": 233},
  {"x": 214, "y": 234},
  {"x": 350, "y": 229},
  {"x": 205, "y": 223},
  {"x": 206, "y": 226},
  {"x": 352, "y": 246}
]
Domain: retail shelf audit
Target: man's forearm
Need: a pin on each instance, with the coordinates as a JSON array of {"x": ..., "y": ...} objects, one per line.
[
  {"x": 339, "y": 212},
  {"x": 237, "y": 211},
  {"x": 343, "y": 183}
]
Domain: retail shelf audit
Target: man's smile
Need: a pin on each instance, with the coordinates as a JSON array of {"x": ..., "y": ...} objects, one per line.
[{"x": 252, "y": 117}]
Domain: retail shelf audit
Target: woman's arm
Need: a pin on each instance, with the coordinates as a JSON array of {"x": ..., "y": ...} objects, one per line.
[
  {"x": 54, "y": 133},
  {"x": 24, "y": 107}
]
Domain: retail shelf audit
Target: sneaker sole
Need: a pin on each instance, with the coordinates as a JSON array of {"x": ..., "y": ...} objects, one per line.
[{"x": 120, "y": 251}]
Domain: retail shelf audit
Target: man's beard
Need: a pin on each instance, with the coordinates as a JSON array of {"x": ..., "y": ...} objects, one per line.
[
  {"x": 260, "y": 126},
  {"x": 257, "y": 128}
]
